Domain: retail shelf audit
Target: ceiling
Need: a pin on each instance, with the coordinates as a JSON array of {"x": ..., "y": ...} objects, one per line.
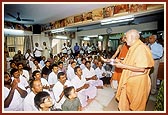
[{"x": 45, "y": 13}]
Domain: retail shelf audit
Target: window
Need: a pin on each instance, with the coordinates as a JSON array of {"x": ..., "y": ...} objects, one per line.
[{"x": 14, "y": 44}]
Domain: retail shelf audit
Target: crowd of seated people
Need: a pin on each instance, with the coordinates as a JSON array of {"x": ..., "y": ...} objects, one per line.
[{"x": 83, "y": 73}]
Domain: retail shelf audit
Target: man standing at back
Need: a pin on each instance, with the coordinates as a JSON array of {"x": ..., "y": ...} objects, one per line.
[
  {"x": 157, "y": 53},
  {"x": 37, "y": 52},
  {"x": 134, "y": 86},
  {"x": 76, "y": 49}
]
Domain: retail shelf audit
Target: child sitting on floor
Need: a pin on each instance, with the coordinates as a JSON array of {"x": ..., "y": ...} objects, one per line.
[{"x": 72, "y": 102}]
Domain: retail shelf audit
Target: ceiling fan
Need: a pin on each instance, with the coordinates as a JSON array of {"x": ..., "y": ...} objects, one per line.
[{"x": 18, "y": 17}]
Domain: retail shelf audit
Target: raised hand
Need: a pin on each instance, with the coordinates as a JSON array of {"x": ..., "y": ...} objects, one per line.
[{"x": 14, "y": 84}]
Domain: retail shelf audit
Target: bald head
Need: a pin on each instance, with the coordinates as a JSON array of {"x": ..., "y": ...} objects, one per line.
[{"x": 132, "y": 36}]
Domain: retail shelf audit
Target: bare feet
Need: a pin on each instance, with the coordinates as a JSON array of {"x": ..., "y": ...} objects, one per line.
[
  {"x": 105, "y": 85},
  {"x": 99, "y": 87}
]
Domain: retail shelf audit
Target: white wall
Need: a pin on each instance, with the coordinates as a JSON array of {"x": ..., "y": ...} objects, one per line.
[{"x": 40, "y": 38}]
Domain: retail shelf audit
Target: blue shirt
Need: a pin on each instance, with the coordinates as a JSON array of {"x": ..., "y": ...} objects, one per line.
[
  {"x": 76, "y": 48},
  {"x": 156, "y": 50}
]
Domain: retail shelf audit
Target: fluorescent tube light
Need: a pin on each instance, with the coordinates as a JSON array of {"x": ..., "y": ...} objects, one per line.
[
  {"x": 117, "y": 19},
  {"x": 86, "y": 38},
  {"x": 62, "y": 37},
  {"x": 58, "y": 30},
  {"x": 92, "y": 36},
  {"x": 13, "y": 32}
]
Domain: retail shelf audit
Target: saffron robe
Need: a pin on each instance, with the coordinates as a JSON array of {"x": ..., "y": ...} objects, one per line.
[
  {"x": 118, "y": 71},
  {"x": 133, "y": 90}
]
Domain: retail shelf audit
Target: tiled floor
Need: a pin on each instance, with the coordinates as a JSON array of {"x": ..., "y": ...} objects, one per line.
[{"x": 112, "y": 106}]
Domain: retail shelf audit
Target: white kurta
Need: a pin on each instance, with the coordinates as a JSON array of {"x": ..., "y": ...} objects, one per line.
[
  {"x": 90, "y": 73},
  {"x": 17, "y": 101},
  {"x": 44, "y": 82},
  {"x": 57, "y": 90},
  {"x": 35, "y": 68},
  {"x": 23, "y": 82},
  {"x": 52, "y": 78},
  {"x": 70, "y": 73},
  {"x": 64, "y": 49},
  {"x": 82, "y": 66},
  {"x": 29, "y": 59},
  {"x": 99, "y": 72},
  {"x": 46, "y": 52},
  {"x": 29, "y": 102},
  {"x": 91, "y": 91},
  {"x": 37, "y": 52},
  {"x": 26, "y": 74}
]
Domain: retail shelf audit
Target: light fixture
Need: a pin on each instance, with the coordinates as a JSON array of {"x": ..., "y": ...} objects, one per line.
[
  {"x": 58, "y": 30},
  {"x": 86, "y": 38},
  {"x": 92, "y": 36},
  {"x": 13, "y": 32},
  {"x": 61, "y": 37},
  {"x": 117, "y": 19},
  {"x": 100, "y": 37}
]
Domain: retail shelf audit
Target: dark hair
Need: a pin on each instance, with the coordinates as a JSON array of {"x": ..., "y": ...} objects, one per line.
[
  {"x": 87, "y": 62},
  {"x": 34, "y": 73},
  {"x": 60, "y": 74},
  {"x": 39, "y": 98},
  {"x": 54, "y": 65},
  {"x": 60, "y": 62},
  {"x": 35, "y": 60},
  {"x": 90, "y": 57},
  {"x": 75, "y": 69},
  {"x": 19, "y": 64},
  {"x": 83, "y": 59},
  {"x": 73, "y": 62},
  {"x": 13, "y": 71},
  {"x": 6, "y": 73},
  {"x": 11, "y": 62},
  {"x": 67, "y": 91}
]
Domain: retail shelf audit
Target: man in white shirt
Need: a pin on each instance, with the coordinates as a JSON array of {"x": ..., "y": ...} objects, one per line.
[
  {"x": 64, "y": 49},
  {"x": 46, "y": 50},
  {"x": 36, "y": 86},
  {"x": 58, "y": 89},
  {"x": 52, "y": 78},
  {"x": 101, "y": 74},
  {"x": 85, "y": 91},
  {"x": 36, "y": 66},
  {"x": 82, "y": 66},
  {"x": 23, "y": 72},
  {"x": 70, "y": 71},
  {"x": 90, "y": 75},
  {"x": 14, "y": 93},
  {"x": 37, "y": 75},
  {"x": 21, "y": 80},
  {"x": 37, "y": 52},
  {"x": 30, "y": 57}
]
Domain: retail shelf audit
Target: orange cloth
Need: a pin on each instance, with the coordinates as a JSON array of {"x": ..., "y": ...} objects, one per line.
[
  {"x": 118, "y": 71},
  {"x": 133, "y": 90}
]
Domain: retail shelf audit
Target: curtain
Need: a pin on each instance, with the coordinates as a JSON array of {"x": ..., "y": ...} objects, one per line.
[{"x": 28, "y": 44}]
